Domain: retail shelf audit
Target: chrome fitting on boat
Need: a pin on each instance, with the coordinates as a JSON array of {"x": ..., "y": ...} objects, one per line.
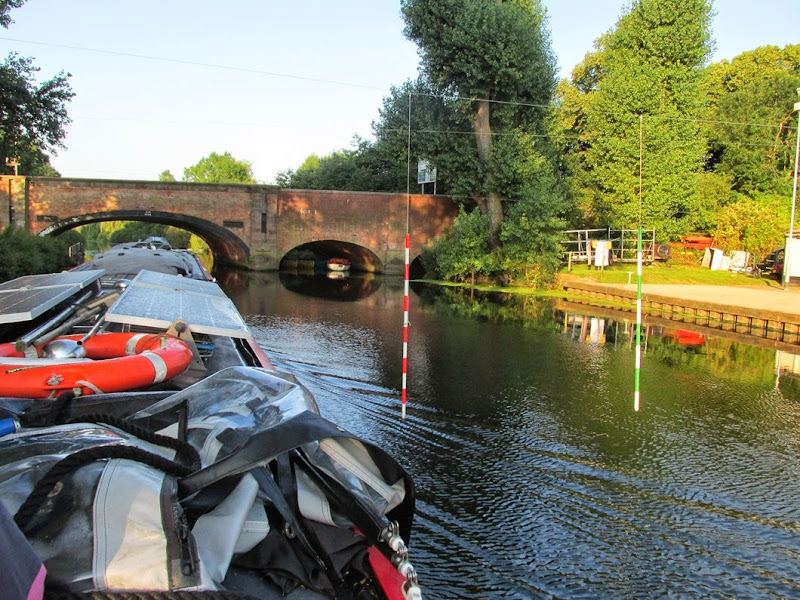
[
  {"x": 407, "y": 570},
  {"x": 391, "y": 530},
  {"x": 412, "y": 591},
  {"x": 391, "y": 535},
  {"x": 400, "y": 554}
]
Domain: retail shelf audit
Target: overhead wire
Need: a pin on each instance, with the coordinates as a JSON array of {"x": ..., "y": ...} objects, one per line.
[
  {"x": 423, "y": 131},
  {"x": 452, "y": 97}
]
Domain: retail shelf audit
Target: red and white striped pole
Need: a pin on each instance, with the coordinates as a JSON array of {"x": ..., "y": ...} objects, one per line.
[{"x": 405, "y": 327}]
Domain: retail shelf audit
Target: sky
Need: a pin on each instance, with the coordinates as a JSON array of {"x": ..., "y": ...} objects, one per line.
[{"x": 161, "y": 84}]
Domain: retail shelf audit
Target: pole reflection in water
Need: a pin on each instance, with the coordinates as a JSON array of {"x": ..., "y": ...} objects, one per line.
[{"x": 535, "y": 478}]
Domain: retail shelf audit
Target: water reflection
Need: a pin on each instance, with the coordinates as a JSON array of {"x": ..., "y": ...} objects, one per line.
[
  {"x": 535, "y": 477},
  {"x": 332, "y": 285}
]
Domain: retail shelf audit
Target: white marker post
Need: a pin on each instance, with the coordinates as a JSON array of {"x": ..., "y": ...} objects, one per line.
[
  {"x": 405, "y": 329},
  {"x": 638, "y": 364}
]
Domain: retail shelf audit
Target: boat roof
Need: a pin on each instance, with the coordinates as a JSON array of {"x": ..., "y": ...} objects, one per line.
[{"x": 124, "y": 261}]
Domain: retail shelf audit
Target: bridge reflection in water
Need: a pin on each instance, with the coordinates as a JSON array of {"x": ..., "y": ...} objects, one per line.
[{"x": 347, "y": 288}]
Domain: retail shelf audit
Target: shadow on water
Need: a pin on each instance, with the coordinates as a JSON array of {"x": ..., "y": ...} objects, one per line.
[{"x": 535, "y": 478}]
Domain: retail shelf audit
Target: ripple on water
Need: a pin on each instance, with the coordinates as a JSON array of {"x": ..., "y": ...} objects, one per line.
[{"x": 536, "y": 484}]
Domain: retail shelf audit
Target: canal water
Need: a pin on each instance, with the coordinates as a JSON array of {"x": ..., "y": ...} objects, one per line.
[{"x": 535, "y": 477}]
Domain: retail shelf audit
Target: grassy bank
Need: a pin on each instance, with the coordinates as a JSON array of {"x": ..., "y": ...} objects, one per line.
[
  {"x": 622, "y": 273},
  {"x": 667, "y": 273}
]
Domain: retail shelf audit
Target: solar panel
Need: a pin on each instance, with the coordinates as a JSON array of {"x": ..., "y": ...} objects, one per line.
[
  {"x": 25, "y": 298},
  {"x": 158, "y": 300}
]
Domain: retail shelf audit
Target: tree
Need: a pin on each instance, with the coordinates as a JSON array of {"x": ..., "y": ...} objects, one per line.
[
  {"x": 434, "y": 128},
  {"x": 5, "y": 7},
  {"x": 640, "y": 95},
  {"x": 220, "y": 168},
  {"x": 132, "y": 231},
  {"x": 463, "y": 252},
  {"x": 366, "y": 167},
  {"x": 750, "y": 118},
  {"x": 33, "y": 116},
  {"x": 755, "y": 225},
  {"x": 24, "y": 254},
  {"x": 166, "y": 175},
  {"x": 493, "y": 59}
]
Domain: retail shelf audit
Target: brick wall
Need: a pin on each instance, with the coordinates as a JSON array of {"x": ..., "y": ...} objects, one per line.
[{"x": 249, "y": 225}]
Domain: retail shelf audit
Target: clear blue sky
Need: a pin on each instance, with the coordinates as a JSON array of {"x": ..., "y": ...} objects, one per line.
[{"x": 297, "y": 78}]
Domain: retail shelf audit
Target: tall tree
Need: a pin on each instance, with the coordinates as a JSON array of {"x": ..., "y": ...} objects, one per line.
[
  {"x": 751, "y": 118},
  {"x": 493, "y": 60},
  {"x": 220, "y": 168},
  {"x": 639, "y": 97},
  {"x": 434, "y": 126},
  {"x": 33, "y": 116}
]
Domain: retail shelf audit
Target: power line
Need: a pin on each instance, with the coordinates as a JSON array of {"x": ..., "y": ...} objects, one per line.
[
  {"x": 451, "y": 97},
  {"x": 195, "y": 64}
]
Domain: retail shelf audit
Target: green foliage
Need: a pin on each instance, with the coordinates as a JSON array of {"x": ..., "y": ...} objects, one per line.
[
  {"x": 96, "y": 238},
  {"x": 756, "y": 225},
  {"x": 641, "y": 90},
  {"x": 36, "y": 163},
  {"x": 751, "y": 116},
  {"x": 483, "y": 48},
  {"x": 433, "y": 122},
  {"x": 166, "y": 175},
  {"x": 25, "y": 254},
  {"x": 531, "y": 245},
  {"x": 30, "y": 117},
  {"x": 715, "y": 195},
  {"x": 33, "y": 116},
  {"x": 462, "y": 253},
  {"x": 494, "y": 62},
  {"x": 367, "y": 167},
  {"x": 132, "y": 231},
  {"x": 198, "y": 246},
  {"x": 5, "y": 7},
  {"x": 220, "y": 168}
]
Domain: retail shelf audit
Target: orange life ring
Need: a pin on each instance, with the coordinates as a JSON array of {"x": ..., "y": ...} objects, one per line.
[{"x": 121, "y": 362}]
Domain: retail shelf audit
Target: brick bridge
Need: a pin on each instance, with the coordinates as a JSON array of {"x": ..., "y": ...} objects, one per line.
[{"x": 249, "y": 226}]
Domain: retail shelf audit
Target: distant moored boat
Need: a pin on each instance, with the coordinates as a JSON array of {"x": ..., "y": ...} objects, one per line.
[{"x": 338, "y": 264}]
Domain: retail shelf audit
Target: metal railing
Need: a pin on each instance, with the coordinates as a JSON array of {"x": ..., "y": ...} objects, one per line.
[{"x": 578, "y": 244}]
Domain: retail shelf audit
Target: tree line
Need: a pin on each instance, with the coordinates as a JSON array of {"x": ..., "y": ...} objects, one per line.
[{"x": 644, "y": 132}]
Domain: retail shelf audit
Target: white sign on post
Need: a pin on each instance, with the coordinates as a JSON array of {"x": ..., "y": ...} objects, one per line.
[
  {"x": 792, "y": 256},
  {"x": 425, "y": 173}
]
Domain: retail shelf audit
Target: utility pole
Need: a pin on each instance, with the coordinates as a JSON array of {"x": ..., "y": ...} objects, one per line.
[{"x": 787, "y": 252}]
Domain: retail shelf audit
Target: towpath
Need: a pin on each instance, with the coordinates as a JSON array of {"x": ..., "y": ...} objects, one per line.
[{"x": 774, "y": 299}]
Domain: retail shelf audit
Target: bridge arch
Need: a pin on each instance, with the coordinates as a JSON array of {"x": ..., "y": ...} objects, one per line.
[
  {"x": 225, "y": 246},
  {"x": 361, "y": 258}
]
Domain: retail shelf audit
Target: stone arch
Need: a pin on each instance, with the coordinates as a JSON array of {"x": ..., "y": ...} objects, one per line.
[
  {"x": 361, "y": 258},
  {"x": 226, "y": 247}
]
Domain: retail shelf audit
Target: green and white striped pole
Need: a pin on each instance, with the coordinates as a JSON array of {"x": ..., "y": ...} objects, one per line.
[{"x": 638, "y": 364}]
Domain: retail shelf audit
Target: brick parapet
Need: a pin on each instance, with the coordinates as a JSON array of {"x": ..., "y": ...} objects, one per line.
[{"x": 267, "y": 220}]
